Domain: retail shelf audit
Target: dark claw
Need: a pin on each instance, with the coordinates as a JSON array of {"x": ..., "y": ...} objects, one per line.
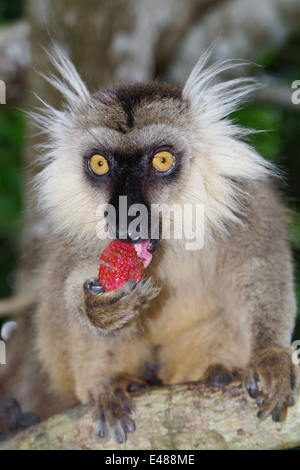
[
  {"x": 279, "y": 412},
  {"x": 293, "y": 381},
  {"x": 119, "y": 434},
  {"x": 101, "y": 428},
  {"x": 94, "y": 287},
  {"x": 129, "y": 407},
  {"x": 128, "y": 425},
  {"x": 261, "y": 413},
  {"x": 252, "y": 387},
  {"x": 292, "y": 401},
  {"x": 276, "y": 415},
  {"x": 260, "y": 402},
  {"x": 265, "y": 411},
  {"x": 253, "y": 391}
]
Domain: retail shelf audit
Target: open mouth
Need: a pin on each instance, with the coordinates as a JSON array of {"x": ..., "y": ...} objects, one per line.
[{"x": 145, "y": 250}]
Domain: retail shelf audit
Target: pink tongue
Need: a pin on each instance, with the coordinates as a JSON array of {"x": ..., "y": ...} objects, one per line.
[{"x": 143, "y": 253}]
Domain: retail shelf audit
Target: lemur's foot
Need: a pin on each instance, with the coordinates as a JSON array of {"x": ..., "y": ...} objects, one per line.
[
  {"x": 15, "y": 419},
  {"x": 271, "y": 379},
  {"x": 115, "y": 407}
]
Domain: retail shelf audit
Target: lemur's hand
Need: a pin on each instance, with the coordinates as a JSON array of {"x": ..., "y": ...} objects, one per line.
[
  {"x": 113, "y": 310},
  {"x": 271, "y": 378}
]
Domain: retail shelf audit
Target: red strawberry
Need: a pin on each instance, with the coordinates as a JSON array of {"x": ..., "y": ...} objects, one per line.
[{"x": 120, "y": 263}]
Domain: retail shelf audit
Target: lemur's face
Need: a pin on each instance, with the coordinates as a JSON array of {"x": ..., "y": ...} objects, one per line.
[{"x": 134, "y": 147}]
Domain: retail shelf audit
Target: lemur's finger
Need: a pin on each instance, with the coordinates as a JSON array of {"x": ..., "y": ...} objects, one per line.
[{"x": 93, "y": 287}]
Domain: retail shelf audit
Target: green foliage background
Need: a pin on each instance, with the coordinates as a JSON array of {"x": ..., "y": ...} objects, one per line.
[
  {"x": 10, "y": 10},
  {"x": 12, "y": 131},
  {"x": 280, "y": 144}
]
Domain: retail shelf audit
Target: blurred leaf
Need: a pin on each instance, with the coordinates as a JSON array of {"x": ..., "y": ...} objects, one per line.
[
  {"x": 265, "y": 119},
  {"x": 12, "y": 131},
  {"x": 10, "y": 10}
]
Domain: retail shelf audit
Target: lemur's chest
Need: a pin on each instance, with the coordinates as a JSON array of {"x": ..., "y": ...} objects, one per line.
[{"x": 182, "y": 330}]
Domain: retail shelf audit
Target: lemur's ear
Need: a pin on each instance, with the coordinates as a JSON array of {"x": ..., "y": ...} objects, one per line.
[
  {"x": 49, "y": 120},
  {"x": 69, "y": 82},
  {"x": 217, "y": 99}
]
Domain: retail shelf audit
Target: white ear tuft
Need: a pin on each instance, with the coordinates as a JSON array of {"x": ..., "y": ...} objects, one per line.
[
  {"x": 217, "y": 100},
  {"x": 70, "y": 85},
  {"x": 53, "y": 122}
]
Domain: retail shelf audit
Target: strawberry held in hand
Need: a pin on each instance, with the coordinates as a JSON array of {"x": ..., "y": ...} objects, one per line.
[{"x": 121, "y": 262}]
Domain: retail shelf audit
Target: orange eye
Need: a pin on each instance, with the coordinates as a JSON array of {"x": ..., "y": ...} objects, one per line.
[
  {"x": 99, "y": 165},
  {"x": 163, "y": 161}
]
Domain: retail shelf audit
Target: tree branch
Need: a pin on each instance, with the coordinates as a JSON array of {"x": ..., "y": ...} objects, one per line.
[{"x": 190, "y": 416}]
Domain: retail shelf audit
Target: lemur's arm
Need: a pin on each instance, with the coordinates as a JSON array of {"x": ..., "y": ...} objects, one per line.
[{"x": 114, "y": 318}]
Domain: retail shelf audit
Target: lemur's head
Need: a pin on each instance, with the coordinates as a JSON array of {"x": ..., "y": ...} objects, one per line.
[{"x": 152, "y": 143}]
